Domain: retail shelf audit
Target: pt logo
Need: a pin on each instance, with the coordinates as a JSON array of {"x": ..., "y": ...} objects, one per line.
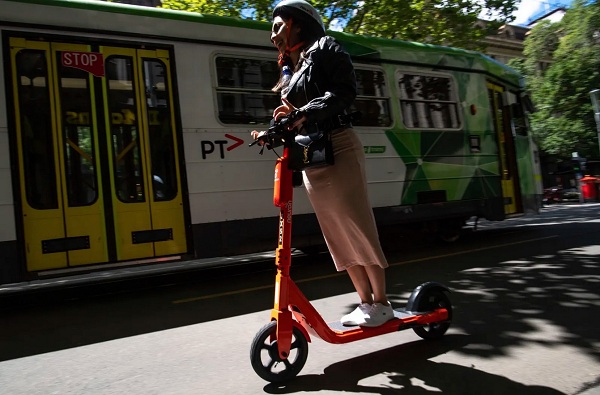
[{"x": 209, "y": 147}]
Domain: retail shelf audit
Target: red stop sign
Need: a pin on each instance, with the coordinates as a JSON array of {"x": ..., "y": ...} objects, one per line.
[{"x": 92, "y": 62}]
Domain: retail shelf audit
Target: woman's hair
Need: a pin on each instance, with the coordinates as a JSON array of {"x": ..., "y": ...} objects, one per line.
[{"x": 310, "y": 31}]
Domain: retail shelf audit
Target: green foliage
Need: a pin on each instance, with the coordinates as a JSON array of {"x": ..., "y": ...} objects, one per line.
[
  {"x": 335, "y": 10},
  {"x": 565, "y": 120},
  {"x": 261, "y": 10},
  {"x": 216, "y": 7},
  {"x": 444, "y": 22},
  {"x": 518, "y": 64}
]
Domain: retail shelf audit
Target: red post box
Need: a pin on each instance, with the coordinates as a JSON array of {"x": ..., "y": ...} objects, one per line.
[{"x": 588, "y": 188}]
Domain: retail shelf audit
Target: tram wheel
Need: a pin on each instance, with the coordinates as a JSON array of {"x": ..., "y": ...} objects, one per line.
[
  {"x": 450, "y": 231},
  {"x": 434, "y": 299},
  {"x": 265, "y": 358}
]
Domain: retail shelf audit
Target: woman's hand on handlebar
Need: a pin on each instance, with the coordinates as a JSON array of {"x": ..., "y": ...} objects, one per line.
[
  {"x": 258, "y": 137},
  {"x": 286, "y": 109},
  {"x": 295, "y": 121}
]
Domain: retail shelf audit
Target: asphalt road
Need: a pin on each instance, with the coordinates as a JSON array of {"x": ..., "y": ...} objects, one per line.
[{"x": 526, "y": 297}]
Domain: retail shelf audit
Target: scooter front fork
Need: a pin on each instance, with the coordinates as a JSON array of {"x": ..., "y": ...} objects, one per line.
[
  {"x": 281, "y": 312},
  {"x": 283, "y": 333}
]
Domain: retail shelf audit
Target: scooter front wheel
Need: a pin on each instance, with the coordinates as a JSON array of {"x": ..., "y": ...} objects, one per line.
[{"x": 265, "y": 358}]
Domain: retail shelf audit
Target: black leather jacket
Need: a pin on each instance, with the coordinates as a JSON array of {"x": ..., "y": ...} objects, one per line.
[{"x": 324, "y": 86}]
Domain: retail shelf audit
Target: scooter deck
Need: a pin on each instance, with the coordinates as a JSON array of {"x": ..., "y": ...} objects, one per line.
[{"x": 338, "y": 327}]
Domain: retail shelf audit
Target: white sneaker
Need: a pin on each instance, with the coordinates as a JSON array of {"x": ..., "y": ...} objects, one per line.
[
  {"x": 357, "y": 317},
  {"x": 379, "y": 314}
]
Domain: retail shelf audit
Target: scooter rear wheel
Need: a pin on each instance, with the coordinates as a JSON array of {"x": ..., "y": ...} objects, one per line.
[
  {"x": 434, "y": 299},
  {"x": 265, "y": 358}
]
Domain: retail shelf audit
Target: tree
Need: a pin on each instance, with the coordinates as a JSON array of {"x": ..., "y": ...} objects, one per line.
[
  {"x": 261, "y": 10},
  {"x": 215, "y": 7},
  {"x": 445, "y": 22},
  {"x": 565, "y": 122}
]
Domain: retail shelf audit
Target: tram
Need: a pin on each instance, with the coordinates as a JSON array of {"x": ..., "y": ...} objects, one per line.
[{"x": 124, "y": 136}]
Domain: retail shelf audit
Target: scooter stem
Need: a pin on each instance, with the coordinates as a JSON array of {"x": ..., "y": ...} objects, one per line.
[{"x": 282, "y": 197}]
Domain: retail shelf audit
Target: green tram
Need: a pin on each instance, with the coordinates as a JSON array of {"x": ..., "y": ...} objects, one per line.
[{"x": 124, "y": 137}]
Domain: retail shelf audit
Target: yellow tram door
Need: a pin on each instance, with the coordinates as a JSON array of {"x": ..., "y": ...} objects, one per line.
[
  {"x": 142, "y": 154},
  {"x": 506, "y": 149},
  {"x": 61, "y": 198}
]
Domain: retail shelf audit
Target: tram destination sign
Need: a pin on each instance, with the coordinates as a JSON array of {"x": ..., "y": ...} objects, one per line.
[{"x": 92, "y": 62}]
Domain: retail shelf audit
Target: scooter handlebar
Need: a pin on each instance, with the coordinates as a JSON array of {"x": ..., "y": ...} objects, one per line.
[{"x": 274, "y": 136}]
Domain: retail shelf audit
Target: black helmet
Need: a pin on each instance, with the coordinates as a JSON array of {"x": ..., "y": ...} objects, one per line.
[{"x": 302, "y": 6}]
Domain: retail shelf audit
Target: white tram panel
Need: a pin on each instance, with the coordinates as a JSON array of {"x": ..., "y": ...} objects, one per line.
[
  {"x": 385, "y": 170},
  {"x": 224, "y": 183}
]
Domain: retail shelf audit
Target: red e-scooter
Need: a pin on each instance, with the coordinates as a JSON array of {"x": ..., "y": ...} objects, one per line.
[{"x": 279, "y": 350}]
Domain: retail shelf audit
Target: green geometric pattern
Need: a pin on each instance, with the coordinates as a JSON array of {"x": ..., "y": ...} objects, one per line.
[{"x": 437, "y": 161}]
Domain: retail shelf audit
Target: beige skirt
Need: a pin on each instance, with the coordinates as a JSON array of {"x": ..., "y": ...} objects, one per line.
[{"x": 340, "y": 200}]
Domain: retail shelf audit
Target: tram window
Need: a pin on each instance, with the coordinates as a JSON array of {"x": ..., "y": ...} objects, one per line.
[
  {"x": 128, "y": 177},
  {"x": 519, "y": 117},
  {"x": 162, "y": 147},
  {"x": 39, "y": 169},
  {"x": 428, "y": 102},
  {"x": 372, "y": 99},
  {"x": 78, "y": 136},
  {"x": 244, "y": 93}
]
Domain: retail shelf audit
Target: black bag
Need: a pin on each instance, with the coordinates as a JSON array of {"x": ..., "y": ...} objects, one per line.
[{"x": 312, "y": 150}]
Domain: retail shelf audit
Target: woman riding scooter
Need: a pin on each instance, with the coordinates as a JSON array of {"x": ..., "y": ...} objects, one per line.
[{"x": 318, "y": 84}]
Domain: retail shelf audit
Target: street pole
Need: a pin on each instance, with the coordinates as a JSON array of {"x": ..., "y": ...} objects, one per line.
[{"x": 595, "y": 96}]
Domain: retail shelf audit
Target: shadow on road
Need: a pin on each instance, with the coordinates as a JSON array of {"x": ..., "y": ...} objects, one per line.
[{"x": 410, "y": 371}]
